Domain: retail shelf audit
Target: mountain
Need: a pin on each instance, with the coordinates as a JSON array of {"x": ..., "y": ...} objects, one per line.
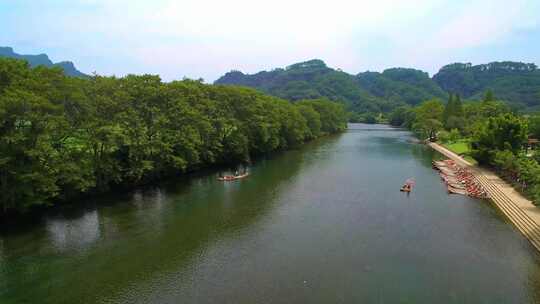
[
  {"x": 366, "y": 92},
  {"x": 43, "y": 59},
  {"x": 401, "y": 86},
  {"x": 515, "y": 82},
  {"x": 305, "y": 80}
]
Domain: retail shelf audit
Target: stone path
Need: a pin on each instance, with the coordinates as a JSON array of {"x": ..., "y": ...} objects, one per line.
[{"x": 519, "y": 210}]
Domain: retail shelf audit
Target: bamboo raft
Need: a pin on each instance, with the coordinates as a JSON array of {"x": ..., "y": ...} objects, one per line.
[
  {"x": 459, "y": 180},
  {"x": 228, "y": 178}
]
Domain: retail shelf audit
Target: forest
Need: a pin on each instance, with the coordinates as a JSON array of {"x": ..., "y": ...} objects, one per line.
[
  {"x": 64, "y": 137},
  {"x": 366, "y": 93},
  {"x": 515, "y": 82},
  {"x": 371, "y": 96}
]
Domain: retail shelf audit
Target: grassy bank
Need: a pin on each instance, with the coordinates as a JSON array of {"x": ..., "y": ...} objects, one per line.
[{"x": 461, "y": 147}]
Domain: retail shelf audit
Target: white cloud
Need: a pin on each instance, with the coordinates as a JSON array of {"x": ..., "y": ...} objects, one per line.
[
  {"x": 198, "y": 38},
  {"x": 469, "y": 28},
  {"x": 481, "y": 23},
  {"x": 241, "y": 34}
]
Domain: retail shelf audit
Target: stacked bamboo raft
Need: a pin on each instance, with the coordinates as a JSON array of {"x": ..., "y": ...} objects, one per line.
[{"x": 459, "y": 180}]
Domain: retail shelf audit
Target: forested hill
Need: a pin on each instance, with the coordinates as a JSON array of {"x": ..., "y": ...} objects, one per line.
[
  {"x": 400, "y": 85},
  {"x": 366, "y": 92},
  {"x": 43, "y": 59},
  {"x": 515, "y": 82},
  {"x": 310, "y": 79}
]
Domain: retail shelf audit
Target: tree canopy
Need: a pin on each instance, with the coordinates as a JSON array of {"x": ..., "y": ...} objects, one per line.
[
  {"x": 62, "y": 137},
  {"x": 364, "y": 93},
  {"x": 534, "y": 125},
  {"x": 515, "y": 82},
  {"x": 428, "y": 118},
  {"x": 503, "y": 132}
]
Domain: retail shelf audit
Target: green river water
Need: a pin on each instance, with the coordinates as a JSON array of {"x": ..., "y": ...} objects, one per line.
[{"x": 322, "y": 224}]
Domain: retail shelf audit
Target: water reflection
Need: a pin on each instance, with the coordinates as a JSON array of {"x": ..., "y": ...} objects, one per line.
[
  {"x": 74, "y": 234},
  {"x": 122, "y": 243},
  {"x": 150, "y": 206},
  {"x": 1, "y": 250},
  {"x": 328, "y": 214}
]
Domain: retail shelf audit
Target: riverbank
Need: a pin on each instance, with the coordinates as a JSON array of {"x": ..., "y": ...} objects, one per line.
[
  {"x": 519, "y": 210},
  {"x": 134, "y": 130},
  {"x": 311, "y": 223},
  {"x": 15, "y": 220}
]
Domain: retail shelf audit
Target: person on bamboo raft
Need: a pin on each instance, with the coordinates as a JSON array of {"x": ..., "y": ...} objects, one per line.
[{"x": 407, "y": 187}]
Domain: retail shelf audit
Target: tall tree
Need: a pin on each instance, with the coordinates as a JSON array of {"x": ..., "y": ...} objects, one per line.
[
  {"x": 534, "y": 125},
  {"x": 448, "y": 109},
  {"x": 428, "y": 119},
  {"x": 504, "y": 132},
  {"x": 488, "y": 96}
]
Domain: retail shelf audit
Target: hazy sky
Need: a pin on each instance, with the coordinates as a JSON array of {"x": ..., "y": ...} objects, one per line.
[{"x": 201, "y": 38}]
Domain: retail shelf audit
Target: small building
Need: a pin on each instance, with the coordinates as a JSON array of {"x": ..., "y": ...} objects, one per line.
[{"x": 532, "y": 143}]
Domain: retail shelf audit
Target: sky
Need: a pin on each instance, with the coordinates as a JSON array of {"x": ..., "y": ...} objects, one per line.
[{"x": 205, "y": 39}]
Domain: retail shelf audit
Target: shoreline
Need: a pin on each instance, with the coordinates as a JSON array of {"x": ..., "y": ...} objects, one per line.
[
  {"x": 88, "y": 200},
  {"x": 519, "y": 210}
]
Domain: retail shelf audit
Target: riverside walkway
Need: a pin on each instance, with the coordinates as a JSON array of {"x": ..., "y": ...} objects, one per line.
[{"x": 519, "y": 210}]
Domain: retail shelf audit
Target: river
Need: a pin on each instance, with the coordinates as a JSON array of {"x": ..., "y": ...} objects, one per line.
[{"x": 321, "y": 224}]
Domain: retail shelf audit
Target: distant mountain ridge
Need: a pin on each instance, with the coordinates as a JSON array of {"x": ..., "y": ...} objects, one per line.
[
  {"x": 401, "y": 85},
  {"x": 42, "y": 59},
  {"x": 515, "y": 82},
  {"x": 307, "y": 80}
]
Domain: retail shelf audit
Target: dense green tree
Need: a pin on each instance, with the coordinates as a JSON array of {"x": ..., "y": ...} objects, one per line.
[
  {"x": 32, "y": 134},
  {"x": 369, "y": 118},
  {"x": 476, "y": 113},
  {"x": 309, "y": 80},
  {"x": 456, "y": 123},
  {"x": 333, "y": 115},
  {"x": 488, "y": 96},
  {"x": 453, "y": 113},
  {"x": 401, "y": 86},
  {"x": 368, "y": 92},
  {"x": 62, "y": 137},
  {"x": 534, "y": 125},
  {"x": 514, "y": 82},
  {"x": 403, "y": 116},
  {"x": 398, "y": 116},
  {"x": 448, "y": 109},
  {"x": 373, "y": 92},
  {"x": 313, "y": 120},
  {"x": 458, "y": 106},
  {"x": 453, "y": 135},
  {"x": 506, "y": 161},
  {"x": 428, "y": 118},
  {"x": 504, "y": 132}
]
